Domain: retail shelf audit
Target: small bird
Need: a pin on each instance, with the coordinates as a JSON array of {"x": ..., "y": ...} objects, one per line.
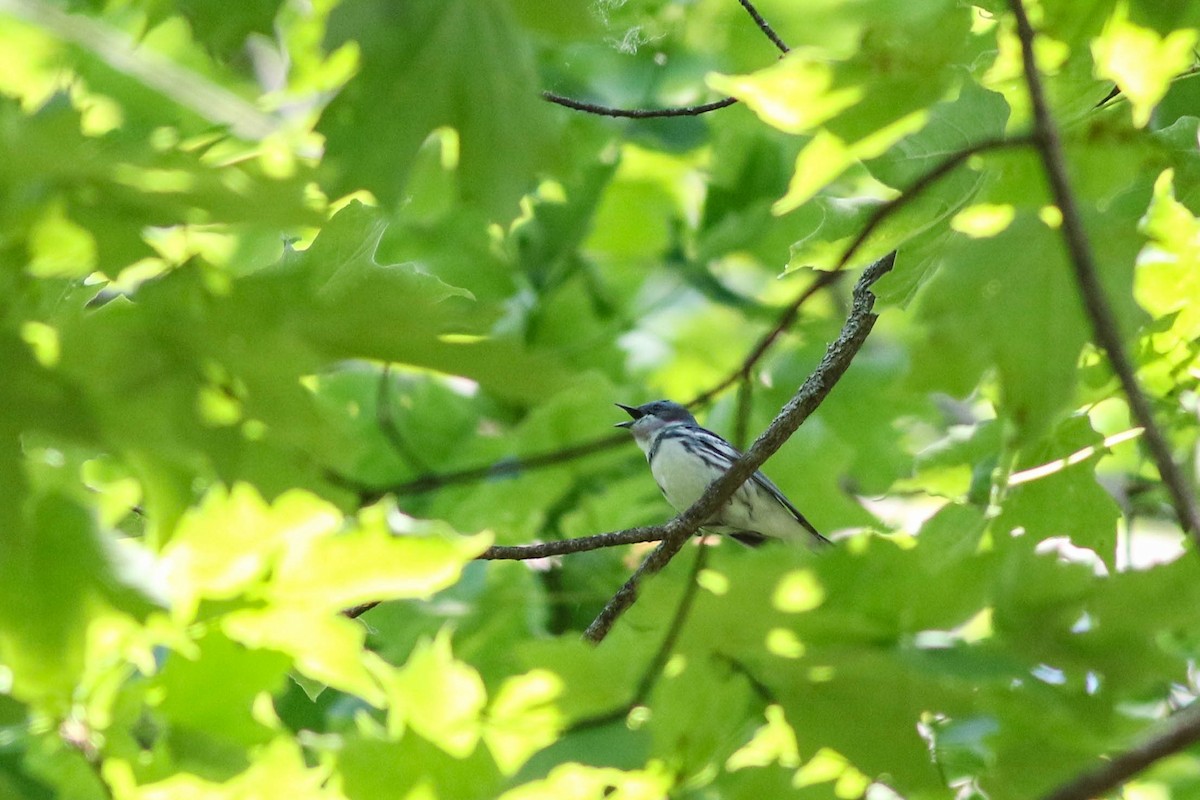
[{"x": 685, "y": 458}]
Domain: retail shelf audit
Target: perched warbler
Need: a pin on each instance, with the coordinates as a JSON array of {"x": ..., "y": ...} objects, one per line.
[{"x": 685, "y": 458}]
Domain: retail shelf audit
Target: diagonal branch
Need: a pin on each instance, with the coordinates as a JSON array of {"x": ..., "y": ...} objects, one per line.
[
  {"x": 1099, "y": 312},
  {"x": 818, "y": 385},
  {"x": 764, "y": 26},
  {"x": 1181, "y": 731}
]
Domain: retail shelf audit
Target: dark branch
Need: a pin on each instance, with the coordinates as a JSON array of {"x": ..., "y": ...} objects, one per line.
[
  {"x": 1180, "y": 731},
  {"x": 504, "y": 468},
  {"x": 784, "y": 322},
  {"x": 661, "y": 657},
  {"x": 638, "y": 113},
  {"x": 818, "y": 385},
  {"x": 676, "y": 111},
  {"x": 911, "y": 192},
  {"x": 523, "y": 552},
  {"x": 1099, "y": 312},
  {"x": 764, "y": 26},
  {"x": 881, "y": 213}
]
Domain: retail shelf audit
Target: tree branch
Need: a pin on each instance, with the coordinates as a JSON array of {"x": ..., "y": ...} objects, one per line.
[
  {"x": 505, "y": 467},
  {"x": 911, "y": 192},
  {"x": 818, "y": 385},
  {"x": 562, "y": 547},
  {"x": 1180, "y": 731},
  {"x": 638, "y": 113},
  {"x": 764, "y": 26},
  {"x": 1099, "y": 312},
  {"x": 784, "y": 322},
  {"x": 675, "y": 111}
]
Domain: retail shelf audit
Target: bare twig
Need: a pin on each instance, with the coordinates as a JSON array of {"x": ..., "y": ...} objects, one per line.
[
  {"x": 818, "y": 385},
  {"x": 880, "y": 214},
  {"x": 503, "y": 468},
  {"x": 764, "y": 26},
  {"x": 913, "y": 190},
  {"x": 524, "y": 552},
  {"x": 1099, "y": 312},
  {"x": 785, "y": 321},
  {"x": 638, "y": 113},
  {"x": 674, "y": 111},
  {"x": 1179, "y": 732},
  {"x": 661, "y": 657},
  {"x": 686, "y": 600}
]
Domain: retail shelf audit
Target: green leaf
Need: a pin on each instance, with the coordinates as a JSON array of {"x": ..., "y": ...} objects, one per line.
[
  {"x": 225, "y": 547},
  {"x": 522, "y": 718},
  {"x": 464, "y": 65},
  {"x": 200, "y": 700},
  {"x": 1140, "y": 62},
  {"x": 372, "y": 562},
  {"x": 1030, "y": 327},
  {"x": 55, "y": 570},
  {"x": 441, "y": 699},
  {"x": 1054, "y": 491}
]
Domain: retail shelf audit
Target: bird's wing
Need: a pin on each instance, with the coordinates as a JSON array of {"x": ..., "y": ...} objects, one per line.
[{"x": 719, "y": 448}]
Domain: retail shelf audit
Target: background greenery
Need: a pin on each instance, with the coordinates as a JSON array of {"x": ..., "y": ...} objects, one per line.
[{"x": 219, "y": 222}]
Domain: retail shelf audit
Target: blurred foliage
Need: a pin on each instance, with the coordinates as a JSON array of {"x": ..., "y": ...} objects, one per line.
[{"x": 259, "y": 260}]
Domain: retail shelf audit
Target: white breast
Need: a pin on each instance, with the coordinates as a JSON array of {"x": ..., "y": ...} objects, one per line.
[{"x": 683, "y": 477}]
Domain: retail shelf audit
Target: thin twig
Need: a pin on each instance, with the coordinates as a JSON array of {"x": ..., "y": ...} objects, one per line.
[
  {"x": 678, "y": 620},
  {"x": 638, "y": 113},
  {"x": 764, "y": 26},
  {"x": 526, "y": 552},
  {"x": 913, "y": 190},
  {"x": 818, "y": 385},
  {"x": 562, "y": 547},
  {"x": 503, "y": 468},
  {"x": 661, "y": 657},
  {"x": 765, "y": 343},
  {"x": 1181, "y": 731},
  {"x": 1099, "y": 312},
  {"x": 674, "y": 111}
]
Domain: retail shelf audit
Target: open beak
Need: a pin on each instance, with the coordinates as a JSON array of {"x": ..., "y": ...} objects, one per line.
[{"x": 631, "y": 411}]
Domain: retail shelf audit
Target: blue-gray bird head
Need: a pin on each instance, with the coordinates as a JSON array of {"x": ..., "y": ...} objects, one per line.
[{"x": 650, "y": 418}]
